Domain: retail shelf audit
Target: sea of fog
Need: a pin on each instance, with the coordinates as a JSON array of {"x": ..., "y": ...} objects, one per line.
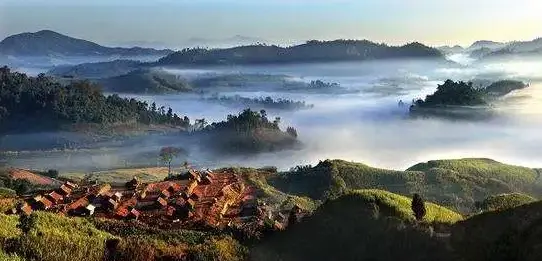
[{"x": 365, "y": 126}]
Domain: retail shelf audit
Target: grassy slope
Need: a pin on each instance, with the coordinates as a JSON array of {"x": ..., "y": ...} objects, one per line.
[
  {"x": 71, "y": 238},
  {"x": 121, "y": 175},
  {"x": 257, "y": 179},
  {"x": 364, "y": 223},
  {"x": 510, "y": 234},
  {"x": 505, "y": 201},
  {"x": 453, "y": 183}
]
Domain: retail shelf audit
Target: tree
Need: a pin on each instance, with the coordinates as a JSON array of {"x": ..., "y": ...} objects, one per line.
[
  {"x": 167, "y": 154},
  {"x": 418, "y": 207}
]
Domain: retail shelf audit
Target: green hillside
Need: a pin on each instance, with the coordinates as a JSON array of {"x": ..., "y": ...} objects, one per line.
[
  {"x": 365, "y": 223},
  {"x": 454, "y": 183},
  {"x": 505, "y": 201},
  {"x": 511, "y": 234},
  {"x": 145, "y": 81}
]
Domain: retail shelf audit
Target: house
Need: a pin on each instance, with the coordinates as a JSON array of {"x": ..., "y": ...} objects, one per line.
[
  {"x": 71, "y": 185},
  {"x": 89, "y": 210},
  {"x": 64, "y": 190},
  {"x": 193, "y": 175},
  {"x": 111, "y": 204},
  {"x": 103, "y": 189},
  {"x": 196, "y": 195},
  {"x": 25, "y": 209},
  {"x": 54, "y": 197},
  {"x": 170, "y": 211},
  {"x": 191, "y": 186},
  {"x": 165, "y": 193},
  {"x": 161, "y": 202},
  {"x": 207, "y": 180},
  {"x": 190, "y": 204},
  {"x": 133, "y": 184},
  {"x": 133, "y": 214},
  {"x": 44, "y": 203},
  {"x": 37, "y": 198},
  {"x": 117, "y": 196}
]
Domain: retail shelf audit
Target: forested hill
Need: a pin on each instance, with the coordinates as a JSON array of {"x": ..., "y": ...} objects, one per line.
[
  {"x": 312, "y": 51},
  {"x": 33, "y": 104},
  {"x": 48, "y": 42}
]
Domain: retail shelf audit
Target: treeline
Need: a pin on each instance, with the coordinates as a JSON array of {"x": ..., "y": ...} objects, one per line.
[
  {"x": 267, "y": 102},
  {"x": 38, "y": 103},
  {"x": 312, "y": 51}
]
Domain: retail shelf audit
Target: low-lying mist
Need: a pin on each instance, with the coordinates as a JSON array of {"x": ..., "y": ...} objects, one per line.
[{"x": 366, "y": 126}]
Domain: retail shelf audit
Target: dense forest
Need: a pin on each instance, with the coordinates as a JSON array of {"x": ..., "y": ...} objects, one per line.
[
  {"x": 248, "y": 132},
  {"x": 461, "y": 93},
  {"x": 312, "y": 51},
  {"x": 40, "y": 103}
]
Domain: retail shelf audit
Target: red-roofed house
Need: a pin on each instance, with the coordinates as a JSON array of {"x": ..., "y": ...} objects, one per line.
[
  {"x": 161, "y": 202},
  {"x": 64, "y": 190},
  {"x": 44, "y": 203},
  {"x": 54, "y": 197}
]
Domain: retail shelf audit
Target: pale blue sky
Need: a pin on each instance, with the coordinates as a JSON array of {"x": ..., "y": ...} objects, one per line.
[{"x": 434, "y": 22}]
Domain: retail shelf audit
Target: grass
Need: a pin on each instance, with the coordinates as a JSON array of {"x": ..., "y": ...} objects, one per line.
[
  {"x": 57, "y": 238},
  {"x": 457, "y": 184},
  {"x": 10, "y": 257},
  {"x": 283, "y": 201},
  {"x": 507, "y": 234},
  {"x": 505, "y": 201},
  {"x": 117, "y": 176},
  {"x": 363, "y": 223},
  {"x": 401, "y": 206},
  {"x": 8, "y": 227}
]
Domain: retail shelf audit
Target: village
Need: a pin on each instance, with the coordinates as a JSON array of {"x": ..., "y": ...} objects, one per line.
[{"x": 193, "y": 199}]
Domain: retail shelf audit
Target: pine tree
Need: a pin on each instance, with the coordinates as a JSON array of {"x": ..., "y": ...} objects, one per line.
[{"x": 418, "y": 207}]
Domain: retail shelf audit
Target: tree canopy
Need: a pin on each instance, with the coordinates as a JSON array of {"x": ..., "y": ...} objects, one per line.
[{"x": 39, "y": 103}]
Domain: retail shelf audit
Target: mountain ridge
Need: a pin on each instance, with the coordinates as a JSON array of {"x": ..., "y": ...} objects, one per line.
[{"x": 48, "y": 42}]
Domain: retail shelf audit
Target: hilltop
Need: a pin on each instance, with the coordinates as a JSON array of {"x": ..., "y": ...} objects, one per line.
[
  {"x": 364, "y": 223},
  {"x": 457, "y": 184},
  {"x": 312, "y": 51},
  {"x": 50, "y": 43}
]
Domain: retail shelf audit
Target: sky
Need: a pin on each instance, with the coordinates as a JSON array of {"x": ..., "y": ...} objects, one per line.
[{"x": 173, "y": 22}]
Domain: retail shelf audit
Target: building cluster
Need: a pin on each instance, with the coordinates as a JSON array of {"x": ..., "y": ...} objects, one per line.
[{"x": 195, "y": 196}]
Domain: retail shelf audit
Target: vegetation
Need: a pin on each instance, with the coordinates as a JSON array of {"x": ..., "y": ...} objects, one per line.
[
  {"x": 167, "y": 154},
  {"x": 509, "y": 234},
  {"x": 504, "y": 201},
  {"x": 95, "y": 70},
  {"x": 266, "y": 103},
  {"x": 248, "y": 132},
  {"x": 462, "y": 100},
  {"x": 418, "y": 207},
  {"x": 457, "y": 184},
  {"x": 312, "y": 51},
  {"x": 366, "y": 224},
  {"x": 501, "y": 88},
  {"x": 453, "y": 94},
  {"x": 145, "y": 81},
  {"x": 34, "y": 104}
]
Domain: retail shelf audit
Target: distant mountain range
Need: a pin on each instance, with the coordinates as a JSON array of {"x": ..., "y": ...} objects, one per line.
[
  {"x": 484, "y": 49},
  {"x": 311, "y": 51},
  {"x": 50, "y": 43}
]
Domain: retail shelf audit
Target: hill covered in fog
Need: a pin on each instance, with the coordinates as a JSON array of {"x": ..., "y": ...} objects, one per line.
[
  {"x": 50, "y": 43},
  {"x": 312, "y": 51}
]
